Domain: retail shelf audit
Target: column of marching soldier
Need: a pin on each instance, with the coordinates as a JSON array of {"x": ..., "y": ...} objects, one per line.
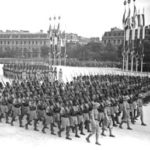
[
  {"x": 29, "y": 71},
  {"x": 86, "y": 104}
]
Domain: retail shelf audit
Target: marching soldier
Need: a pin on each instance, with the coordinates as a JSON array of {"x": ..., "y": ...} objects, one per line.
[
  {"x": 16, "y": 110},
  {"x": 126, "y": 113},
  {"x": 32, "y": 114},
  {"x": 73, "y": 118},
  {"x": 65, "y": 123},
  {"x": 49, "y": 120},
  {"x": 94, "y": 125},
  {"x": 107, "y": 123},
  {"x": 140, "y": 109},
  {"x": 40, "y": 112},
  {"x": 25, "y": 109}
]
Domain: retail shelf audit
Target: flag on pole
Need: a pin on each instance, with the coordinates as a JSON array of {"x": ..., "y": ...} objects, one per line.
[
  {"x": 124, "y": 16},
  {"x": 143, "y": 24},
  {"x": 128, "y": 20},
  {"x": 139, "y": 25},
  {"x": 133, "y": 34},
  {"x": 127, "y": 34},
  {"x": 134, "y": 22}
]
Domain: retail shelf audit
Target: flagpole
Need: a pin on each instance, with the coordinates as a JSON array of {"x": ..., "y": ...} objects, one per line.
[
  {"x": 59, "y": 40},
  {"x": 124, "y": 44},
  {"x": 133, "y": 36},
  {"x": 137, "y": 62},
  {"x": 142, "y": 42},
  {"x": 65, "y": 51},
  {"x": 54, "y": 48},
  {"x": 127, "y": 53}
]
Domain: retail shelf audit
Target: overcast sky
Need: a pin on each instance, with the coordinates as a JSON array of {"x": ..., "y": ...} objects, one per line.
[{"x": 84, "y": 17}]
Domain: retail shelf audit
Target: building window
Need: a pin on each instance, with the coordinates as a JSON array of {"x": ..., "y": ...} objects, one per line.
[
  {"x": 16, "y": 42},
  {"x": 32, "y": 42},
  {"x": 8, "y": 42},
  {"x": 24, "y": 42}
]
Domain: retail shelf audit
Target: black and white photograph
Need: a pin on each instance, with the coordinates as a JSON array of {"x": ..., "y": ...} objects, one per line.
[{"x": 74, "y": 74}]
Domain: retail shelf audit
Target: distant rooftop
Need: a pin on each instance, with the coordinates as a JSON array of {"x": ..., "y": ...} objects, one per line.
[
  {"x": 116, "y": 29},
  {"x": 21, "y": 31}
]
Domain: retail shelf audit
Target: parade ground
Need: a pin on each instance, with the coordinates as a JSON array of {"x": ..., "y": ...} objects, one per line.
[{"x": 16, "y": 138}]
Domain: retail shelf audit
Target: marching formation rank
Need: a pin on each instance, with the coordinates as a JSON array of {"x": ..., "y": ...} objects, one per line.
[
  {"x": 30, "y": 72},
  {"x": 86, "y": 105}
]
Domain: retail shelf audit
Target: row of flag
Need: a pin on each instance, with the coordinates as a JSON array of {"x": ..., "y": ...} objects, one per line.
[
  {"x": 133, "y": 22},
  {"x": 56, "y": 37}
]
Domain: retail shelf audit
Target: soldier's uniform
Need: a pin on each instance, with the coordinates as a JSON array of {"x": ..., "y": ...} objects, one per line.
[
  {"x": 4, "y": 109},
  {"x": 107, "y": 123},
  {"x": 49, "y": 120},
  {"x": 65, "y": 122},
  {"x": 80, "y": 119},
  {"x": 126, "y": 113},
  {"x": 25, "y": 109},
  {"x": 101, "y": 113},
  {"x": 74, "y": 119},
  {"x": 16, "y": 110},
  {"x": 94, "y": 124},
  {"x": 32, "y": 114},
  {"x": 86, "y": 116},
  {"x": 140, "y": 109},
  {"x": 56, "y": 115}
]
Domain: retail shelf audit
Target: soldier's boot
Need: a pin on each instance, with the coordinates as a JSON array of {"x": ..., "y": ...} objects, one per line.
[
  {"x": 67, "y": 133},
  {"x": 1, "y": 115},
  {"x": 12, "y": 120},
  {"x": 81, "y": 129},
  {"x": 43, "y": 129},
  {"x": 28, "y": 120},
  {"x": 60, "y": 130},
  {"x": 120, "y": 126},
  {"x": 97, "y": 139},
  {"x": 7, "y": 120},
  {"x": 103, "y": 132},
  {"x": 20, "y": 121},
  {"x": 110, "y": 133},
  {"x": 142, "y": 121},
  {"x": 117, "y": 119},
  {"x": 76, "y": 131},
  {"x": 52, "y": 129},
  {"x": 143, "y": 124},
  {"x": 26, "y": 126},
  {"x": 128, "y": 126},
  {"x": 73, "y": 129},
  {"x": 58, "y": 124},
  {"x": 35, "y": 125},
  {"x": 113, "y": 119},
  {"x": 134, "y": 114},
  {"x": 88, "y": 137},
  {"x": 100, "y": 123},
  {"x": 28, "y": 123},
  {"x": 88, "y": 126}
]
